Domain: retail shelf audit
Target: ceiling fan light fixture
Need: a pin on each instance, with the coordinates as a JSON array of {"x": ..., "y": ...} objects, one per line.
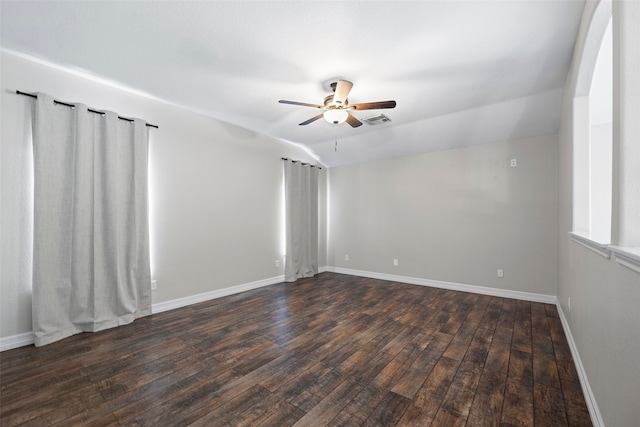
[
  {"x": 337, "y": 106},
  {"x": 336, "y": 116}
]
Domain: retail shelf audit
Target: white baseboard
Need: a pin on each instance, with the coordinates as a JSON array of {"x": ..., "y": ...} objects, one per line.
[
  {"x": 218, "y": 293},
  {"x": 526, "y": 296},
  {"x": 15, "y": 341},
  {"x": 592, "y": 405}
]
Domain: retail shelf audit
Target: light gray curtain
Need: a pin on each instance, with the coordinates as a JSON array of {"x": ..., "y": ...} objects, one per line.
[
  {"x": 91, "y": 266},
  {"x": 301, "y": 215}
]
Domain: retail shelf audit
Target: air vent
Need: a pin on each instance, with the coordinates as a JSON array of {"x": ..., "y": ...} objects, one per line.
[{"x": 376, "y": 120}]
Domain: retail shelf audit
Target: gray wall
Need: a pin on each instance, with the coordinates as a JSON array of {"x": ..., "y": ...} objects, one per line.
[
  {"x": 454, "y": 216},
  {"x": 216, "y": 192},
  {"x": 604, "y": 319}
]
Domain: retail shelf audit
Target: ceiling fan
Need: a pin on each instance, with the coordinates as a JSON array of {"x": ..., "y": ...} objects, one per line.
[{"x": 337, "y": 107}]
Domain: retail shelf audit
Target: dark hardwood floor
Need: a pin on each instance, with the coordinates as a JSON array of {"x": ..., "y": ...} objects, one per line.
[{"x": 332, "y": 350}]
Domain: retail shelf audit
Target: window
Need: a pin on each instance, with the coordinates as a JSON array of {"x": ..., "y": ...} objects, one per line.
[
  {"x": 606, "y": 153},
  {"x": 593, "y": 143}
]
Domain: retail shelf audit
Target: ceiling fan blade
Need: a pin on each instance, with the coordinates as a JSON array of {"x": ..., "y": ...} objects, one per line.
[
  {"x": 343, "y": 87},
  {"x": 311, "y": 120},
  {"x": 304, "y": 104},
  {"x": 373, "y": 105},
  {"x": 353, "y": 121}
]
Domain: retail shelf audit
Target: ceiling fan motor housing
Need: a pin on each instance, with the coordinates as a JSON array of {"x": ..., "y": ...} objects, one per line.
[{"x": 329, "y": 103}]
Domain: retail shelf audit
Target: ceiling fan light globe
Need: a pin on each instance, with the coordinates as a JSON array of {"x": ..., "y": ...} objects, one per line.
[{"x": 336, "y": 116}]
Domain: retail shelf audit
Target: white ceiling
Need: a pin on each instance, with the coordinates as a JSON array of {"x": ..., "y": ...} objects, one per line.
[{"x": 462, "y": 72}]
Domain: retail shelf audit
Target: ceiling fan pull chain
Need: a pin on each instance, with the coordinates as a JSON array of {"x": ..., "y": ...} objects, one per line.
[{"x": 336, "y": 146}]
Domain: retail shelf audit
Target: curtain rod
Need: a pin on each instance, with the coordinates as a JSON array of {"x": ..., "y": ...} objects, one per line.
[
  {"x": 55, "y": 101},
  {"x": 302, "y": 163}
]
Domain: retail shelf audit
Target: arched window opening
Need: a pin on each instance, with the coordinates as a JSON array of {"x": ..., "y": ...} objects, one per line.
[{"x": 593, "y": 142}]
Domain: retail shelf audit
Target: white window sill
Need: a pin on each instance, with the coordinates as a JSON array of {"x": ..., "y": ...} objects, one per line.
[
  {"x": 629, "y": 256},
  {"x": 600, "y": 248}
]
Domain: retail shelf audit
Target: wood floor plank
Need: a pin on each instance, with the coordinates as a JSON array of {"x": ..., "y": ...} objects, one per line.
[
  {"x": 522, "y": 332},
  {"x": 388, "y": 412},
  {"x": 545, "y": 370},
  {"x": 517, "y": 409},
  {"x": 233, "y": 408},
  {"x": 329, "y": 350},
  {"x": 462, "y": 390},
  {"x": 455, "y": 321},
  {"x": 69, "y": 375},
  {"x": 335, "y": 401},
  {"x": 498, "y": 356},
  {"x": 507, "y": 314},
  {"x": 329, "y": 407},
  {"x": 551, "y": 311},
  {"x": 140, "y": 399},
  {"x": 478, "y": 349},
  {"x": 318, "y": 390},
  {"x": 413, "y": 417},
  {"x": 411, "y": 381},
  {"x": 282, "y": 414},
  {"x": 577, "y": 412},
  {"x": 539, "y": 316},
  {"x": 107, "y": 382},
  {"x": 460, "y": 343},
  {"x": 376, "y": 390},
  {"x": 549, "y": 408},
  {"x": 286, "y": 372},
  {"x": 433, "y": 391},
  {"x": 446, "y": 419},
  {"x": 521, "y": 367},
  {"x": 560, "y": 345},
  {"x": 287, "y": 391},
  {"x": 187, "y": 401},
  {"x": 486, "y": 408}
]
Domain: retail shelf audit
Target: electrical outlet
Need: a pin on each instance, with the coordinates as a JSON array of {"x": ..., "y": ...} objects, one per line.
[
  {"x": 514, "y": 163},
  {"x": 395, "y": 262},
  {"x": 154, "y": 285},
  {"x": 277, "y": 263},
  {"x": 500, "y": 273},
  {"x": 346, "y": 257}
]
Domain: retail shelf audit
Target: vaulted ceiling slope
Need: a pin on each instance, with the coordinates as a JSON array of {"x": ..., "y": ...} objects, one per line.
[{"x": 462, "y": 72}]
